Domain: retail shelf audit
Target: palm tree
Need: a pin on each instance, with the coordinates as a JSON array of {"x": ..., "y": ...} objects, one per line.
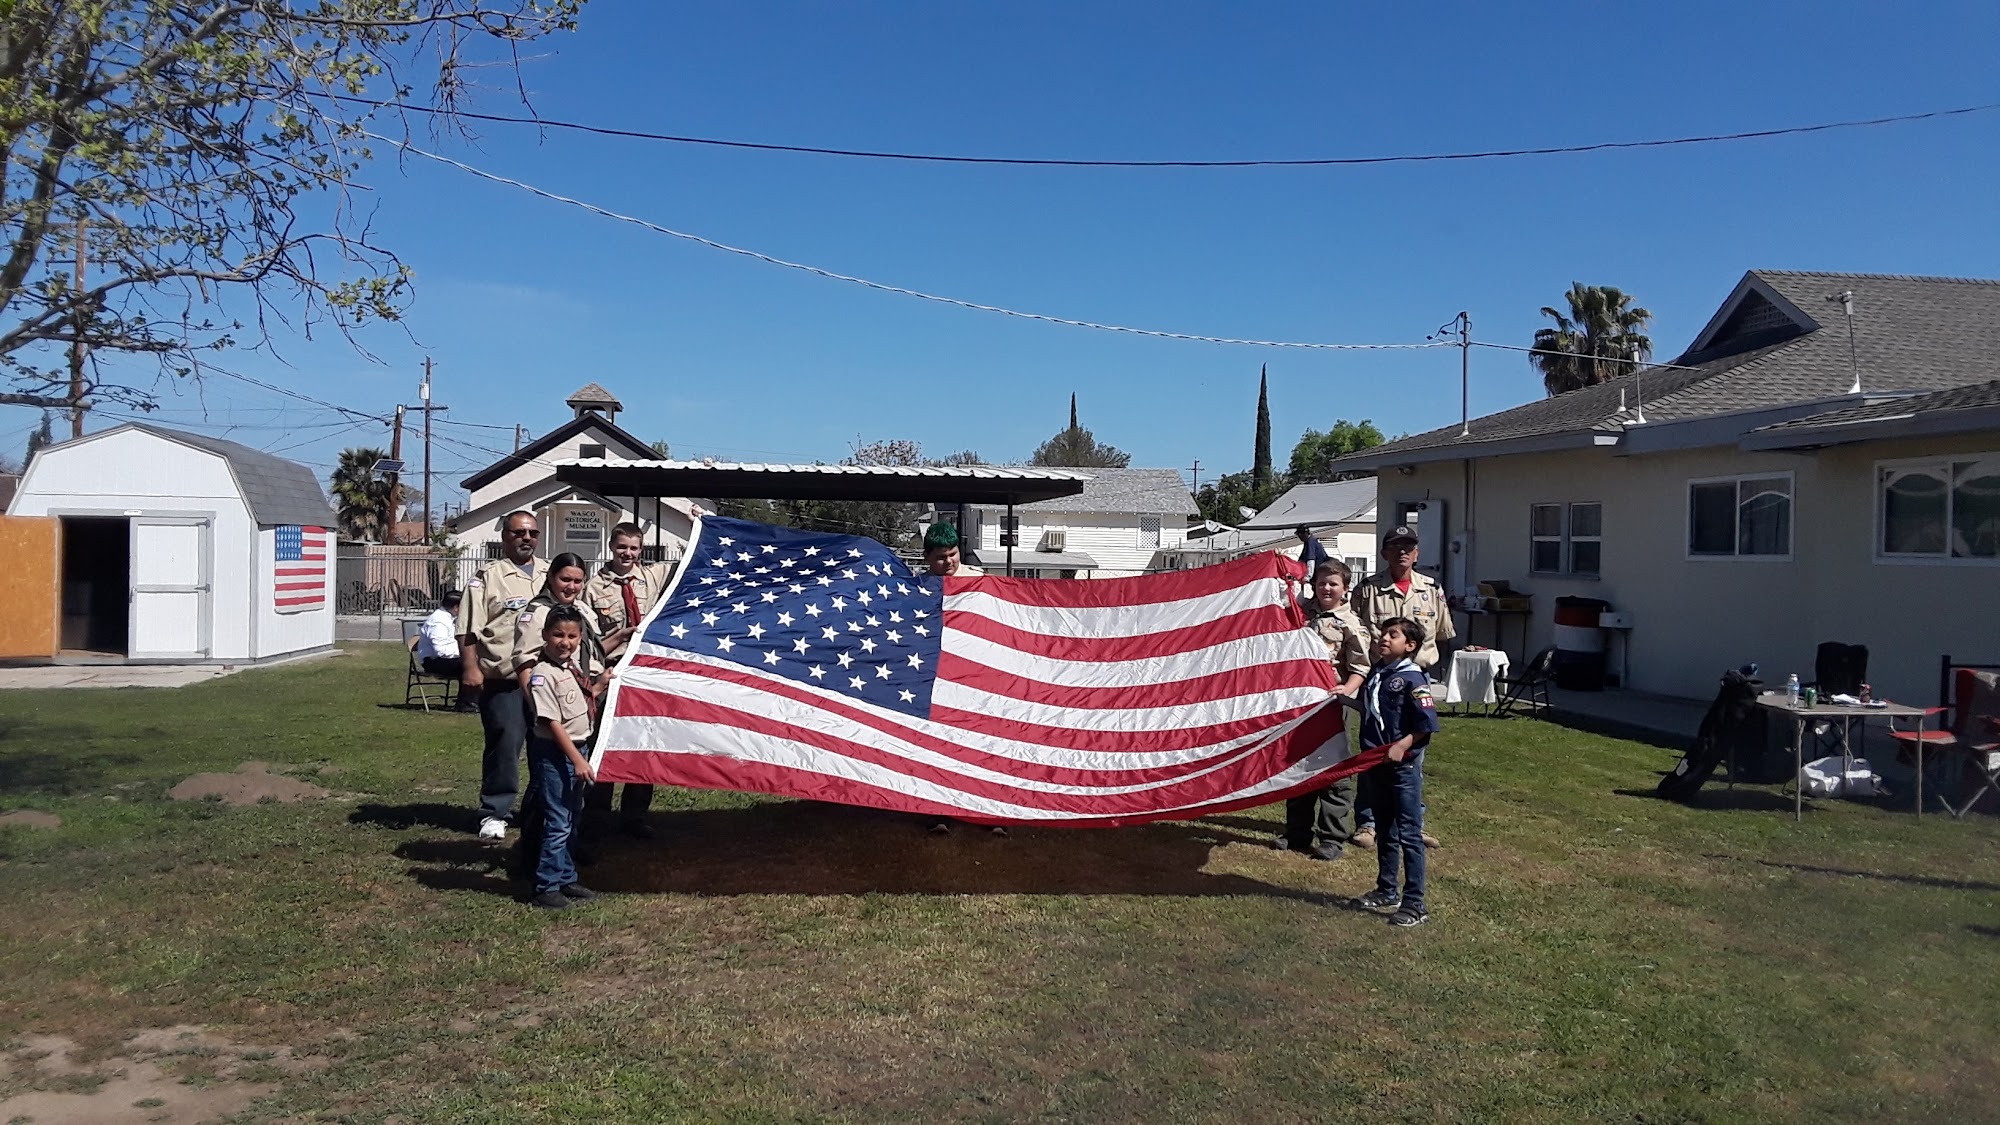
[
  {"x": 362, "y": 496},
  {"x": 1602, "y": 336}
]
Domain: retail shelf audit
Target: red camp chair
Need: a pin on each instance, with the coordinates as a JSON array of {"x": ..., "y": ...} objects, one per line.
[{"x": 1971, "y": 738}]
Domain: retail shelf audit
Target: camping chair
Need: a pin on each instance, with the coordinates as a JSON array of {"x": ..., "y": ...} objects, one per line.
[
  {"x": 420, "y": 685},
  {"x": 1838, "y": 669},
  {"x": 1530, "y": 688},
  {"x": 1969, "y": 732}
]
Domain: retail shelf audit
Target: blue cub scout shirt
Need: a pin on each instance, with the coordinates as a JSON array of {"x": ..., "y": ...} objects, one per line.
[{"x": 1395, "y": 701}]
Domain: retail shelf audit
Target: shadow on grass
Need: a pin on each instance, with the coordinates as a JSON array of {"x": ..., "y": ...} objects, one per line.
[
  {"x": 809, "y": 848},
  {"x": 1984, "y": 931},
  {"x": 1937, "y": 881},
  {"x": 429, "y": 814},
  {"x": 1614, "y": 728},
  {"x": 1719, "y": 798},
  {"x": 25, "y": 770}
]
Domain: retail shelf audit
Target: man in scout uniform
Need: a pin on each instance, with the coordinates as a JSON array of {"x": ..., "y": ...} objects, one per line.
[
  {"x": 1399, "y": 590},
  {"x": 941, "y": 557},
  {"x": 486, "y": 616},
  {"x": 619, "y": 596}
]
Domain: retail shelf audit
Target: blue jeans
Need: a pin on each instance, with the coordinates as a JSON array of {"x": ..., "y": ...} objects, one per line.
[
  {"x": 561, "y": 799},
  {"x": 1398, "y": 789}
]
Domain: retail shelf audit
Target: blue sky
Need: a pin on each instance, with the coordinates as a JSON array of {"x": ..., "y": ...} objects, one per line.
[{"x": 521, "y": 300}]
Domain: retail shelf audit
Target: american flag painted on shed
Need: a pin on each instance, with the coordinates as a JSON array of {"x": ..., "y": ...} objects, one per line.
[
  {"x": 298, "y": 568},
  {"x": 817, "y": 666}
]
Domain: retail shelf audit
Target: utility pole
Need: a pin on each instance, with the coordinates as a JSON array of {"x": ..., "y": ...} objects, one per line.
[
  {"x": 517, "y": 437},
  {"x": 77, "y": 325},
  {"x": 429, "y": 408},
  {"x": 395, "y": 478},
  {"x": 1464, "y": 374},
  {"x": 1197, "y": 476}
]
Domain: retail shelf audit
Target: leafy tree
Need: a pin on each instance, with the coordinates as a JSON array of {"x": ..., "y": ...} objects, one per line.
[
  {"x": 662, "y": 450},
  {"x": 1598, "y": 339},
  {"x": 961, "y": 458},
  {"x": 42, "y": 437},
  {"x": 1224, "y": 498},
  {"x": 1312, "y": 457},
  {"x": 361, "y": 496},
  {"x": 888, "y": 522},
  {"x": 1260, "y": 461},
  {"x": 212, "y": 151},
  {"x": 1076, "y": 447}
]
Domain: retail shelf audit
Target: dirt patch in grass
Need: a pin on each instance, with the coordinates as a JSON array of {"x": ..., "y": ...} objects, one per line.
[
  {"x": 252, "y": 783},
  {"x": 178, "y": 1075},
  {"x": 30, "y": 818}
]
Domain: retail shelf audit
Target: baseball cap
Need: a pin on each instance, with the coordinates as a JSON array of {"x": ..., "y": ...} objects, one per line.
[{"x": 1399, "y": 533}]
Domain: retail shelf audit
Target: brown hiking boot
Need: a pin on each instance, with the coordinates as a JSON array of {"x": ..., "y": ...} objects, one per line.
[{"x": 1364, "y": 838}]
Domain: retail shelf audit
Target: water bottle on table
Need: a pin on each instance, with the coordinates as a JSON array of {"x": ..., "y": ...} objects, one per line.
[{"x": 1792, "y": 690}]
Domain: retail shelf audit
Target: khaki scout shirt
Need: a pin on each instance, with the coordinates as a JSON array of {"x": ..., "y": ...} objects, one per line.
[
  {"x": 1346, "y": 641},
  {"x": 603, "y": 598},
  {"x": 1377, "y": 600},
  {"x": 492, "y": 600},
  {"x": 559, "y": 698},
  {"x": 527, "y": 647}
]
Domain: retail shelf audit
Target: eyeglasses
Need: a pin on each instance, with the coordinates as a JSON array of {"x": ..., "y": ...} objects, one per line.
[
  {"x": 525, "y": 532},
  {"x": 1400, "y": 548}
]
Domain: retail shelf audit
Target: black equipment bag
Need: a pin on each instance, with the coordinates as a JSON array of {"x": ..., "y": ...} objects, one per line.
[{"x": 1732, "y": 719}]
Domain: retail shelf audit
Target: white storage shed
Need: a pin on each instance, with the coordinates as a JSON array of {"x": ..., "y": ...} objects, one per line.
[{"x": 184, "y": 548}]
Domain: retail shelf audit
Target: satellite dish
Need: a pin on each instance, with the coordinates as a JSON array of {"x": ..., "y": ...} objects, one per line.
[{"x": 1248, "y": 513}]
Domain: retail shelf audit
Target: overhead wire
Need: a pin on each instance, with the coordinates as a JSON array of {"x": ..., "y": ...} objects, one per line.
[
  {"x": 1057, "y": 162},
  {"x": 883, "y": 286}
]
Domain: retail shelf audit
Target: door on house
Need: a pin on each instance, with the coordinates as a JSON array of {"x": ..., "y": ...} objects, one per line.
[
  {"x": 172, "y": 560},
  {"x": 96, "y": 584}
]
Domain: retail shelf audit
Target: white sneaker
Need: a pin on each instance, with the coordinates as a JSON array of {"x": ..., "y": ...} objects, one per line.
[{"x": 493, "y": 828}]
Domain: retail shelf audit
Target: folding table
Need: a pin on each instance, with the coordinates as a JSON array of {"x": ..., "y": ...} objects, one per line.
[{"x": 1846, "y": 714}]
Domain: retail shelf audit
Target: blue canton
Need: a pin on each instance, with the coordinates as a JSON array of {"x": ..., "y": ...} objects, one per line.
[
  {"x": 838, "y": 612},
  {"x": 291, "y": 543}
]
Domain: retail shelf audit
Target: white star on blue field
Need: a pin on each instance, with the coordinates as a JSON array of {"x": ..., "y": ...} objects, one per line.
[{"x": 834, "y": 611}]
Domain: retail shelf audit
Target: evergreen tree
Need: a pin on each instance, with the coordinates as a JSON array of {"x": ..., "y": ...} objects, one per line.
[
  {"x": 42, "y": 437},
  {"x": 1078, "y": 448},
  {"x": 1260, "y": 464}
]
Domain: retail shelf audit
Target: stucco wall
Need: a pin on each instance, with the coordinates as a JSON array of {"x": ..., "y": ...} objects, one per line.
[
  {"x": 1693, "y": 618},
  {"x": 1110, "y": 538}
]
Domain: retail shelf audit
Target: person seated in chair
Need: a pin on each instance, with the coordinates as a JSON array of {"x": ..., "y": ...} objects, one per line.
[{"x": 437, "y": 645}]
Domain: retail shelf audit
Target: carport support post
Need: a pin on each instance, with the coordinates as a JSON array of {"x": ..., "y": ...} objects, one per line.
[{"x": 1012, "y": 534}]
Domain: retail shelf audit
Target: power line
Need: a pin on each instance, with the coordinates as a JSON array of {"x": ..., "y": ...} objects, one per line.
[
  {"x": 1052, "y": 162},
  {"x": 881, "y": 286}
]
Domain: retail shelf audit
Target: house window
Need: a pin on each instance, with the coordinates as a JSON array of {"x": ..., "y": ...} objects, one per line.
[
  {"x": 1356, "y": 566},
  {"x": 1565, "y": 538},
  {"x": 589, "y": 450},
  {"x": 1943, "y": 509},
  {"x": 1149, "y": 531},
  {"x": 1740, "y": 517}
]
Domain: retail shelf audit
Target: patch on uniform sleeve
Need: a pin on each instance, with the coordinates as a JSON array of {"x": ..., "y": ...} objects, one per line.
[
  {"x": 536, "y": 680},
  {"x": 1423, "y": 697},
  {"x": 476, "y": 583}
]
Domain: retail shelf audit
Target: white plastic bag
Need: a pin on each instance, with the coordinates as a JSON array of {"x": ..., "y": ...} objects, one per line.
[
  {"x": 1822, "y": 777},
  {"x": 1861, "y": 781}
]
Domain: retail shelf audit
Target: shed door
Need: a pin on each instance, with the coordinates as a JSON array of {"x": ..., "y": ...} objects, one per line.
[{"x": 171, "y": 566}]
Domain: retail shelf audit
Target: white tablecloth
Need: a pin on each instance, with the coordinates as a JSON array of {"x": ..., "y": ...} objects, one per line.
[{"x": 1470, "y": 680}]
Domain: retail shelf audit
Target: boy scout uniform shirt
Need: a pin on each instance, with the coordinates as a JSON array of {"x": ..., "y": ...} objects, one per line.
[
  {"x": 493, "y": 599},
  {"x": 527, "y": 647},
  {"x": 604, "y": 597},
  {"x": 559, "y": 698},
  {"x": 1346, "y": 641},
  {"x": 1396, "y": 701},
  {"x": 1377, "y": 600}
]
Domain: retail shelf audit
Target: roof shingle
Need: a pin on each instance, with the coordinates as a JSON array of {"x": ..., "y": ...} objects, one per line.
[{"x": 277, "y": 491}]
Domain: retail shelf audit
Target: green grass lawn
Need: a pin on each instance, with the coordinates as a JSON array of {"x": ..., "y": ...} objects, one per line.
[{"x": 1593, "y": 953}]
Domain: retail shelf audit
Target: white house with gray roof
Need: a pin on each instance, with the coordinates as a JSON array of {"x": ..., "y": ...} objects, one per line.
[
  {"x": 1114, "y": 528},
  {"x": 183, "y": 548},
  {"x": 1779, "y": 484}
]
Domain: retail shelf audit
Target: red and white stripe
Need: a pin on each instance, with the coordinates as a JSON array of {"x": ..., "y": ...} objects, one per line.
[
  {"x": 1090, "y": 702},
  {"x": 302, "y": 584}
]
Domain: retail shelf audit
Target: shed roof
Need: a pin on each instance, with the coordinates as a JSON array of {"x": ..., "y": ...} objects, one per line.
[
  {"x": 730, "y": 480},
  {"x": 277, "y": 491},
  {"x": 1777, "y": 340},
  {"x": 1958, "y": 410},
  {"x": 1145, "y": 491},
  {"x": 1318, "y": 505}
]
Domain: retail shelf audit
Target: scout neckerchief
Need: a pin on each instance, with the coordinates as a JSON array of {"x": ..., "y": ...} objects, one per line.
[{"x": 583, "y": 682}]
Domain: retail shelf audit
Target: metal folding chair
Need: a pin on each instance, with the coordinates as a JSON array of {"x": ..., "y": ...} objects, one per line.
[
  {"x": 421, "y": 686},
  {"x": 1530, "y": 687}
]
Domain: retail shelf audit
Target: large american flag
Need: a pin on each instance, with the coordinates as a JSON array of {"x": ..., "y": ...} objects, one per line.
[
  {"x": 818, "y": 666},
  {"x": 298, "y": 568}
]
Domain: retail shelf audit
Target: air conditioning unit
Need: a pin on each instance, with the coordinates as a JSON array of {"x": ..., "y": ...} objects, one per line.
[{"x": 1053, "y": 539}]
